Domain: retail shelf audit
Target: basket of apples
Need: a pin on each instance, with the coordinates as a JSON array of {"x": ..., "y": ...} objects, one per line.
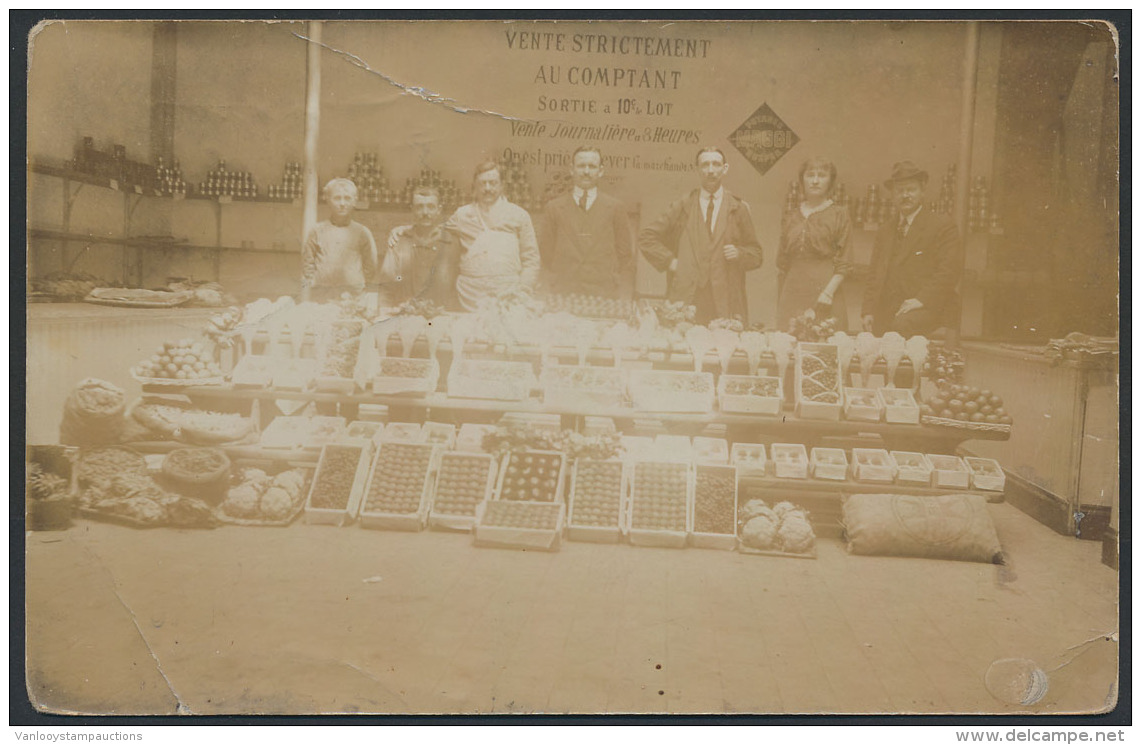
[{"x": 966, "y": 407}]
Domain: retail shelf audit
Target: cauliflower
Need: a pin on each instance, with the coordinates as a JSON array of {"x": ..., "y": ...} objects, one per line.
[
  {"x": 242, "y": 501},
  {"x": 256, "y": 478},
  {"x": 276, "y": 504},
  {"x": 759, "y": 532},
  {"x": 290, "y": 481},
  {"x": 796, "y": 535},
  {"x": 751, "y": 509},
  {"x": 783, "y": 508}
]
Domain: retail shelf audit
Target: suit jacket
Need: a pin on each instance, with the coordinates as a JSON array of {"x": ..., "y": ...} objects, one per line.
[
  {"x": 588, "y": 251},
  {"x": 681, "y": 233},
  {"x": 925, "y": 265}
]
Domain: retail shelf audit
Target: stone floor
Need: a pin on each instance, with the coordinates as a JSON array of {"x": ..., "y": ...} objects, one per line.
[{"x": 315, "y": 619}]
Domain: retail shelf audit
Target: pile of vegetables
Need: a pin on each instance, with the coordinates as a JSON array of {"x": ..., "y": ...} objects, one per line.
[
  {"x": 255, "y": 495},
  {"x": 783, "y": 527}
]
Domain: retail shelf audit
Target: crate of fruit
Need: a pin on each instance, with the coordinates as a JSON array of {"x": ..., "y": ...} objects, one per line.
[
  {"x": 637, "y": 447},
  {"x": 398, "y": 491},
  {"x": 470, "y": 437},
  {"x": 286, "y": 433},
  {"x": 498, "y": 380},
  {"x": 597, "y": 502},
  {"x": 324, "y": 430},
  {"x": 254, "y": 371},
  {"x": 658, "y": 511},
  {"x": 873, "y": 465},
  {"x": 294, "y": 374},
  {"x": 337, "y": 348},
  {"x": 526, "y": 525},
  {"x": 712, "y": 450},
  {"x": 986, "y": 473},
  {"x": 578, "y": 386},
  {"x": 463, "y": 481},
  {"x": 750, "y": 394},
  {"x": 714, "y": 521},
  {"x": 672, "y": 391},
  {"x": 829, "y": 463},
  {"x": 818, "y": 391},
  {"x": 440, "y": 434},
  {"x": 364, "y": 431},
  {"x": 404, "y": 376},
  {"x": 949, "y": 471},
  {"x": 401, "y": 432},
  {"x": 749, "y": 458},
  {"x": 790, "y": 461},
  {"x": 531, "y": 476},
  {"x": 338, "y": 485},
  {"x": 911, "y": 468},
  {"x": 862, "y": 404},
  {"x": 899, "y": 406},
  {"x": 673, "y": 447}
]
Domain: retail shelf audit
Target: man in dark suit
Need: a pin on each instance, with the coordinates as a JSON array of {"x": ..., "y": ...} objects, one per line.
[
  {"x": 916, "y": 262},
  {"x": 706, "y": 242},
  {"x": 584, "y": 236}
]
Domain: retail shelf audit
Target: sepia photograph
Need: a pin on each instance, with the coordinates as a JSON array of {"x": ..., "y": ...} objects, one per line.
[{"x": 569, "y": 367}]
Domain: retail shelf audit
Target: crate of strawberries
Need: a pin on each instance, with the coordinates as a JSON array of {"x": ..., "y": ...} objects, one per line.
[
  {"x": 714, "y": 507},
  {"x": 335, "y": 494}
]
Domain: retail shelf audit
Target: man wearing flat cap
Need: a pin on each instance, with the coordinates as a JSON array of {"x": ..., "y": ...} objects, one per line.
[{"x": 916, "y": 262}]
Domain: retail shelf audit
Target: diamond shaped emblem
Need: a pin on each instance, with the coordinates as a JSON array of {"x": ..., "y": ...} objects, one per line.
[{"x": 763, "y": 139}]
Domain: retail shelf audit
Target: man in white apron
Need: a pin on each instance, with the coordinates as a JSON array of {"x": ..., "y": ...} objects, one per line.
[{"x": 496, "y": 242}]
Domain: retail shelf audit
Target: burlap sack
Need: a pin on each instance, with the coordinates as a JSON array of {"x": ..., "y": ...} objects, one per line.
[
  {"x": 951, "y": 526},
  {"x": 93, "y": 414}
]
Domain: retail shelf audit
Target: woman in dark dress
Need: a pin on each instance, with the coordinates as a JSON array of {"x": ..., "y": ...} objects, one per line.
[{"x": 815, "y": 250}]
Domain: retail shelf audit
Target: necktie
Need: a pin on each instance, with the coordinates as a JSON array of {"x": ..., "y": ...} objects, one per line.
[
  {"x": 709, "y": 215},
  {"x": 901, "y": 230},
  {"x": 582, "y": 201}
]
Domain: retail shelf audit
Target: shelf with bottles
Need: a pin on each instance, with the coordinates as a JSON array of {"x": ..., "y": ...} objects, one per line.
[{"x": 143, "y": 242}]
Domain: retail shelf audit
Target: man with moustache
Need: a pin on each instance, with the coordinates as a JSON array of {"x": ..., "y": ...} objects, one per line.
[
  {"x": 916, "y": 262},
  {"x": 414, "y": 266},
  {"x": 495, "y": 246},
  {"x": 705, "y": 242},
  {"x": 584, "y": 236}
]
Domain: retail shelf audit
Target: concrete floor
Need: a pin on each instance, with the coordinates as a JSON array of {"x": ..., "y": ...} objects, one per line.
[{"x": 315, "y": 619}]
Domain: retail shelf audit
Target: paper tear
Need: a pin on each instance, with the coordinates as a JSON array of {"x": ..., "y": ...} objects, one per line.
[
  {"x": 418, "y": 91},
  {"x": 373, "y": 580},
  {"x": 374, "y": 679},
  {"x": 180, "y": 707}
]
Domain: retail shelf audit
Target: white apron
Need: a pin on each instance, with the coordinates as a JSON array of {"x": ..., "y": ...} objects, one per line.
[{"x": 490, "y": 265}]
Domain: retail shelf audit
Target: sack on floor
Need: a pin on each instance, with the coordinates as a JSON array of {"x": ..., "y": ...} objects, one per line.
[
  {"x": 93, "y": 414},
  {"x": 951, "y": 526}
]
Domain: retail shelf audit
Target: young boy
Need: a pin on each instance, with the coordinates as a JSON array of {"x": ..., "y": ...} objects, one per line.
[{"x": 339, "y": 254}]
